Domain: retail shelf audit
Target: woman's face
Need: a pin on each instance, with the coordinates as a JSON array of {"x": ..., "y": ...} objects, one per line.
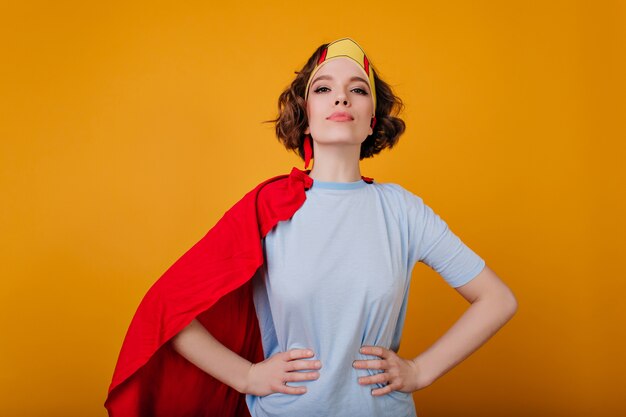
[{"x": 339, "y": 105}]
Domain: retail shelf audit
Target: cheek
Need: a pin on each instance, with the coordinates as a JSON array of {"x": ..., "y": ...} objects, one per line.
[{"x": 313, "y": 113}]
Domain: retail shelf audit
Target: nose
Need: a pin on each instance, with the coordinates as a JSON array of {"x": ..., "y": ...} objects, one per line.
[{"x": 341, "y": 99}]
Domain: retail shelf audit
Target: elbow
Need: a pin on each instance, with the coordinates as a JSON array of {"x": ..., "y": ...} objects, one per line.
[
  {"x": 510, "y": 302},
  {"x": 175, "y": 341}
]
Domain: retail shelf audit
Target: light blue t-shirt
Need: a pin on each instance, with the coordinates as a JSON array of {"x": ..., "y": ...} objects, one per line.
[{"x": 337, "y": 277}]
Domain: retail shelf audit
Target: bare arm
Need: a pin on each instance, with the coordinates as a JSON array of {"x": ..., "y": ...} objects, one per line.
[
  {"x": 493, "y": 304},
  {"x": 199, "y": 347}
]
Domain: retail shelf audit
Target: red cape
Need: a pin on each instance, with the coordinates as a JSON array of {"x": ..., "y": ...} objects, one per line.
[{"x": 210, "y": 282}]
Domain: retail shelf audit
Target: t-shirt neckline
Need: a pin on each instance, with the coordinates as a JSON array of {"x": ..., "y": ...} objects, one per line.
[{"x": 331, "y": 185}]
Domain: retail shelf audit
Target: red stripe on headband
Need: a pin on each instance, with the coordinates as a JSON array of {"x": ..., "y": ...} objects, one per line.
[
  {"x": 366, "y": 65},
  {"x": 323, "y": 57}
]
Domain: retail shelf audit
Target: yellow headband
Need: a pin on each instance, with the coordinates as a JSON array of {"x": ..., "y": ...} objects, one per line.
[{"x": 345, "y": 48}]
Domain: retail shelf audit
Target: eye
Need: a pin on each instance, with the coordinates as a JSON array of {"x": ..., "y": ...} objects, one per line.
[
  {"x": 321, "y": 89},
  {"x": 360, "y": 91}
]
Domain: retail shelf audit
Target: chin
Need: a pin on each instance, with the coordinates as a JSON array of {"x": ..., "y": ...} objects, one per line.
[{"x": 341, "y": 139}]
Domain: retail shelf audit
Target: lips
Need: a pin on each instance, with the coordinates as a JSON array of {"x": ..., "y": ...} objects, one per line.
[{"x": 340, "y": 116}]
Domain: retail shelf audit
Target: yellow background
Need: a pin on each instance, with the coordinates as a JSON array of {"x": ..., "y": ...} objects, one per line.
[{"x": 128, "y": 128}]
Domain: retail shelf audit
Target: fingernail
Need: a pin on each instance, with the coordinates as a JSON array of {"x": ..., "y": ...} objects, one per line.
[
  {"x": 309, "y": 352},
  {"x": 353, "y": 364},
  {"x": 318, "y": 363}
]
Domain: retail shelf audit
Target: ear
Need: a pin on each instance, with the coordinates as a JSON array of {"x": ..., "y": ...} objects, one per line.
[
  {"x": 307, "y": 131},
  {"x": 372, "y": 124}
]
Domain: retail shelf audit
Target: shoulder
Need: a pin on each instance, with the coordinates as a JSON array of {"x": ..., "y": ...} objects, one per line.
[
  {"x": 399, "y": 193},
  {"x": 293, "y": 184},
  {"x": 273, "y": 185},
  {"x": 263, "y": 193}
]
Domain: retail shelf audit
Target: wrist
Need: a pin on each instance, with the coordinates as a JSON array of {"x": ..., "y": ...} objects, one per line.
[
  {"x": 242, "y": 384},
  {"x": 424, "y": 375}
]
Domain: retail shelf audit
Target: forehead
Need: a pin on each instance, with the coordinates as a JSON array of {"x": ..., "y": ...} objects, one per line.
[{"x": 341, "y": 67}]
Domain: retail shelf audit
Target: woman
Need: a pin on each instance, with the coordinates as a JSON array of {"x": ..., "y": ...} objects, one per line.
[{"x": 331, "y": 288}]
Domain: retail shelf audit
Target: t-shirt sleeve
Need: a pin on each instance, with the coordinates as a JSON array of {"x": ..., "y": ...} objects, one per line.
[{"x": 432, "y": 242}]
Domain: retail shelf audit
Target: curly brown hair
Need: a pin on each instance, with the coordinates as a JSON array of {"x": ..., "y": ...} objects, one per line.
[{"x": 292, "y": 118}]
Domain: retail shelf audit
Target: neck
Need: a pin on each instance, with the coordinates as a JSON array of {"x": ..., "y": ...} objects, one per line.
[{"x": 336, "y": 163}]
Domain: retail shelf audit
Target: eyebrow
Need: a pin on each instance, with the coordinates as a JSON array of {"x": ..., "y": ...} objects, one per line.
[{"x": 328, "y": 77}]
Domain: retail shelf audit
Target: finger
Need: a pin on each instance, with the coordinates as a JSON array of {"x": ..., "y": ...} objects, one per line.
[
  {"x": 297, "y": 354},
  {"x": 370, "y": 364},
  {"x": 303, "y": 365},
  {"x": 374, "y": 350},
  {"x": 302, "y": 376},
  {"x": 286, "y": 389},
  {"x": 374, "y": 379},
  {"x": 382, "y": 391}
]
